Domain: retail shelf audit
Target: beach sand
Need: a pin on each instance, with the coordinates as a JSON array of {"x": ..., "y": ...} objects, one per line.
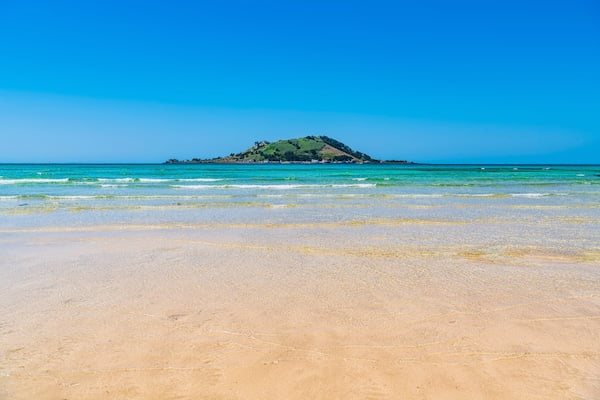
[{"x": 390, "y": 309}]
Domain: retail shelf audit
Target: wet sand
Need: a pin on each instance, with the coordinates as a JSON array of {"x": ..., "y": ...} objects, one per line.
[{"x": 381, "y": 309}]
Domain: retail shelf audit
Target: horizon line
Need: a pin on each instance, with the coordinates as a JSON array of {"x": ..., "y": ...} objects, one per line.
[{"x": 385, "y": 162}]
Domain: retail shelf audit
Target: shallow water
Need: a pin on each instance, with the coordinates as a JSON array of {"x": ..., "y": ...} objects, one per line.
[{"x": 42, "y": 195}]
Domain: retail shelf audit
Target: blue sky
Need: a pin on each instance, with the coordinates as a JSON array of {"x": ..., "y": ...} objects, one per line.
[{"x": 429, "y": 81}]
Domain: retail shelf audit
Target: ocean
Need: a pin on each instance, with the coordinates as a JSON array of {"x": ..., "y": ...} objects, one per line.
[{"x": 64, "y": 195}]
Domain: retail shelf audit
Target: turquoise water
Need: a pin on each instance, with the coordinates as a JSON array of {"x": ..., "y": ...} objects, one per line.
[{"x": 49, "y": 194}]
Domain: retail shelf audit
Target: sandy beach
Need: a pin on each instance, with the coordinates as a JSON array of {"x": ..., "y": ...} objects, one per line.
[{"x": 385, "y": 308}]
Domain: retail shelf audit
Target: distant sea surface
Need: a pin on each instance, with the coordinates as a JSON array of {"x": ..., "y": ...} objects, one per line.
[{"x": 40, "y": 195}]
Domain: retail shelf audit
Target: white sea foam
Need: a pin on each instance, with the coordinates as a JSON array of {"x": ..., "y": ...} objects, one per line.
[
  {"x": 200, "y": 179},
  {"x": 357, "y": 185},
  {"x": 124, "y": 197},
  {"x": 153, "y": 180},
  {"x": 159, "y": 180},
  {"x": 359, "y": 179},
  {"x": 116, "y": 179},
  {"x": 530, "y": 195},
  {"x": 197, "y": 186},
  {"x": 580, "y": 174},
  {"x": 276, "y": 187},
  {"x": 32, "y": 180},
  {"x": 477, "y": 194},
  {"x": 72, "y": 197}
]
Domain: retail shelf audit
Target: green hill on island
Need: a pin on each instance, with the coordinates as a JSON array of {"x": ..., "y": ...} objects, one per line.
[{"x": 307, "y": 149}]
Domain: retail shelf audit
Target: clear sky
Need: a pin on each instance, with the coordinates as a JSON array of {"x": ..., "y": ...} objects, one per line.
[{"x": 430, "y": 81}]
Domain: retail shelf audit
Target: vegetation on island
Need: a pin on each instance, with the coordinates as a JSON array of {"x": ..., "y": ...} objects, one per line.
[{"x": 309, "y": 149}]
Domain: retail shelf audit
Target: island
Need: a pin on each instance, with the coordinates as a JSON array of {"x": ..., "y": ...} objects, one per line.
[{"x": 306, "y": 150}]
